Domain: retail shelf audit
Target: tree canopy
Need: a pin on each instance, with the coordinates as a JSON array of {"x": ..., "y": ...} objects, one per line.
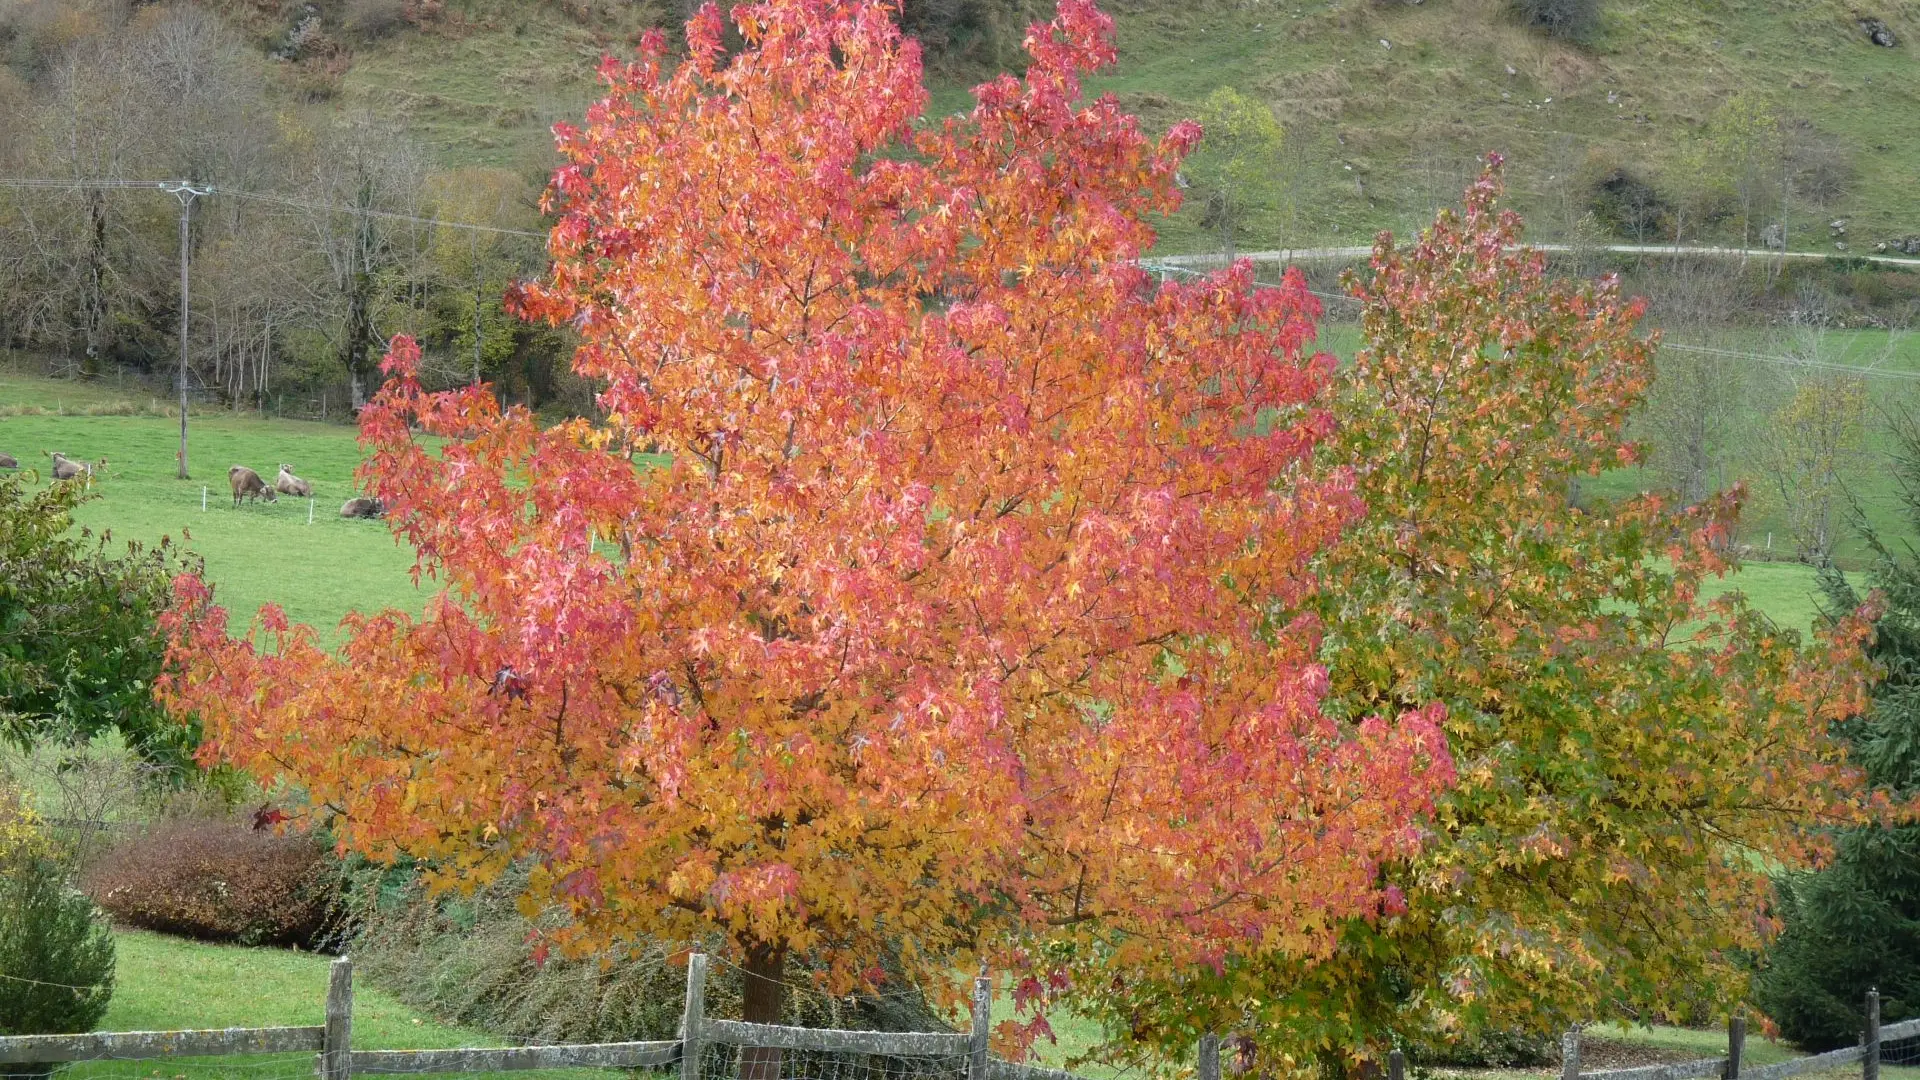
[
  {"x": 966, "y": 603},
  {"x": 1633, "y": 759}
]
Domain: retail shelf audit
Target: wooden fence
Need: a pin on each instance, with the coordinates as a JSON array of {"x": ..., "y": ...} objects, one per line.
[
  {"x": 1730, "y": 1067},
  {"x": 335, "y": 1059}
]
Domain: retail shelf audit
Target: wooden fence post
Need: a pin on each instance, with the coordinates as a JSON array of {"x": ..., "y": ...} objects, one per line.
[
  {"x": 1736, "y": 1045},
  {"x": 1396, "y": 1066},
  {"x": 336, "y": 1052},
  {"x": 1570, "y": 1054},
  {"x": 982, "y": 1028},
  {"x": 693, "y": 1016},
  {"x": 1870, "y": 1063},
  {"x": 1209, "y": 1057}
]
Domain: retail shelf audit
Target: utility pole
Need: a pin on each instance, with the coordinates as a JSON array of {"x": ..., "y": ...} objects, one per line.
[{"x": 186, "y": 193}]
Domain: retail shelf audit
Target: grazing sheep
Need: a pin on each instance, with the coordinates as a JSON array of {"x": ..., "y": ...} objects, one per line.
[
  {"x": 65, "y": 468},
  {"x": 246, "y": 484},
  {"x": 288, "y": 484},
  {"x": 363, "y": 507},
  {"x": 8, "y": 461}
]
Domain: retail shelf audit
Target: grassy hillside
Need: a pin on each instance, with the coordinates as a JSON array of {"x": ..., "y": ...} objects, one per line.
[{"x": 1387, "y": 103}]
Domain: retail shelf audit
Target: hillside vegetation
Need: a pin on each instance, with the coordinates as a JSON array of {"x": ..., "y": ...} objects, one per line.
[{"x": 1386, "y": 104}]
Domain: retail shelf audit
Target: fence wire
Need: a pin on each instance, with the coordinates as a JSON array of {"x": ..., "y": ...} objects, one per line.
[
  {"x": 1901, "y": 1053},
  {"x": 288, "y": 1066},
  {"x": 724, "y": 1062}
]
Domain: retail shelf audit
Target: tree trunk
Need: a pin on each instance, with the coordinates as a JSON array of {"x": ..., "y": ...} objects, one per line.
[
  {"x": 763, "y": 1001},
  {"x": 359, "y": 333}
]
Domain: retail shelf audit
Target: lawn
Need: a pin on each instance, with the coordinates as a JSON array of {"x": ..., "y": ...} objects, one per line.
[
  {"x": 260, "y": 552},
  {"x": 320, "y": 571},
  {"x": 164, "y": 983}
]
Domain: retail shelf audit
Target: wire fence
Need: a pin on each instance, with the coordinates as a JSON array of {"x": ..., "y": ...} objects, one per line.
[{"x": 709, "y": 1048}]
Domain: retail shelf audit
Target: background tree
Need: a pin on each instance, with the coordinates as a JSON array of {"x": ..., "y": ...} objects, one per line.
[
  {"x": 1631, "y": 759},
  {"x": 1857, "y": 922},
  {"x": 1746, "y": 151},
  {"x": 473, "y": 268},
  {"x": 1700, "y": 400},
  {"x": 1812, "y": 444},
  {"x": 364, "y": 184},
  {"x": 965, "y": 612},
  {"x": 1236, "y": 160}
]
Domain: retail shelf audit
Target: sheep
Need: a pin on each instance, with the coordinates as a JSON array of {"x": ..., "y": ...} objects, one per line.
[
  {"x": 288, "y": 484},
  {"x": 65, "y": 468},
  {"x": 246, "y": 484},
  {"x": 363, "y": 507},
  {"x": 8, "y": 461}
]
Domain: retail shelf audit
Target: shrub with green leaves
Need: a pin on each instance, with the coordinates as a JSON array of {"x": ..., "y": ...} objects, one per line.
[{"x": 79, "y": 642}]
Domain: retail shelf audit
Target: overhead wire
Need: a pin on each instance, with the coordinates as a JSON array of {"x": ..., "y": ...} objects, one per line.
[
  {"x": 49, "y": 183},
  {"x": 1765, "y": 358}
]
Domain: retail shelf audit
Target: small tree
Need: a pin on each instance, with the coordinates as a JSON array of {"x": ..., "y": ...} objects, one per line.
[
  {"x": 1808, "y": 449},
  {"x": 80, "y": 641},
  {"x": 1237, "y": 158},
  {"x": 1634, "y": 760},
  {"x": 1857, "y": 923},
  {"x": 56, "y": 949}
]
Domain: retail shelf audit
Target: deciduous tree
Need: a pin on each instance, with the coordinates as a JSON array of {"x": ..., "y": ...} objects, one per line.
[
  {"x": 1632, "y": 759},
  {"x": 1812, "y": 443},
  {"x": 968, "y": 605},
  {"x": 1237, "y": 160}
]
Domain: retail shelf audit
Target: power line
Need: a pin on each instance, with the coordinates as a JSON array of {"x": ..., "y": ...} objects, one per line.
[
  {"x": 391, "y": 215},
  {"x": 257, "y": 196},
  {"x": 1764, "y": 358}
]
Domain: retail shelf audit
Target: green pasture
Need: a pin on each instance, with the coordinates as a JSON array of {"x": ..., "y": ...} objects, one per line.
[
  {"x": 164, "y": 983},
  {"x": 258, "y": 553},
  {"x": 318, "y": 572}
]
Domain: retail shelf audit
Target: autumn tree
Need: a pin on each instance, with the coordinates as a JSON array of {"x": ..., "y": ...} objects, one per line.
[
  {"x": 969, "y": 609},
  {"x": 1632, "y": 759}
]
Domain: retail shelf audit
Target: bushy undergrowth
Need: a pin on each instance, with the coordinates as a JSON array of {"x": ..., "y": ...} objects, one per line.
[
  {"x": 472, "y": 960},
  {"x": 1569, "y": 20},
  {"x": 220, "y": 879}
]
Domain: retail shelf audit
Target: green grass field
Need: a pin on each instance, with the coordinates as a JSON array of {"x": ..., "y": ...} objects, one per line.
[
  {"x": 318, "y": 572},
  {"x": 258, "y": 553},
  {"x": 164, "y": 984}
]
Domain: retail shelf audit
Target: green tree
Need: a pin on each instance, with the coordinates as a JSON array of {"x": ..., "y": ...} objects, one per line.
[
  {"x": 1813, "y": 443},
  {"x": 1856, "y": 924},
  {"x": 79, "y": 643},
  {"x": 1236, "y": 160},
  {"x": 1631, "y": 758},
  {"x": 473, "y": 267}
]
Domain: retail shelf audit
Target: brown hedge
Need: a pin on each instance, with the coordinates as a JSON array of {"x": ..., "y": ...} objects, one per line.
[{"x": 219, "y": 879}]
